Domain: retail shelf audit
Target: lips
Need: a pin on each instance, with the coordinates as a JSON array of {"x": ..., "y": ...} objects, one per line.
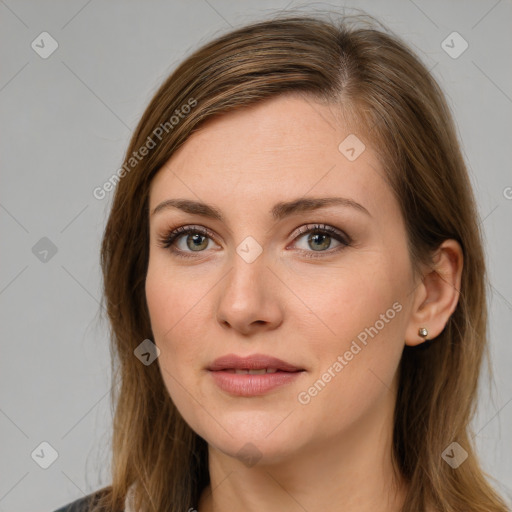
[
  {"x": 255, "y": 364},
  {"x": 254, "y": 375}
]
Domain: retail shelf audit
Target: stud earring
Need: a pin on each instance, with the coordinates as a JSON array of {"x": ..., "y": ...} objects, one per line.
[{"x": 423, "y": 332}]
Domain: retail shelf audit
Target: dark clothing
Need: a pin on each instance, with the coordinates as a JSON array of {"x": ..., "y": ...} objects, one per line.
[{"x": 81, "y": 504}]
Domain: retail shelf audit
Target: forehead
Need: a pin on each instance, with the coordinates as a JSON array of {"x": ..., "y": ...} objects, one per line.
[{"x": 279, "y": 149}]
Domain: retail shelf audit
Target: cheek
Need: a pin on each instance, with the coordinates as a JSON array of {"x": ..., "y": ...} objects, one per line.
[
  {"x": 170, "y": 293},
  {"x": 173, "y": 310},
  {"x": 173, "y": 305},
  {"x": 340, "y": 302},
  {"x": 361, "y": 315},
  {"x": 179, "y": 324}
]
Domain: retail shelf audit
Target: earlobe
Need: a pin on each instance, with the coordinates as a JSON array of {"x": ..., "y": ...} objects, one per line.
[{"x": 438, "y": 294}]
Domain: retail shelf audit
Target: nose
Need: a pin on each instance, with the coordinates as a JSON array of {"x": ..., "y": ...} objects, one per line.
[{"x": 250, "y": 299}]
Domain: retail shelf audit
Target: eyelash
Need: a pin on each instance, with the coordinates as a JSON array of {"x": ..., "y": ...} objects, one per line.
[{"x": 168, "y": 240}]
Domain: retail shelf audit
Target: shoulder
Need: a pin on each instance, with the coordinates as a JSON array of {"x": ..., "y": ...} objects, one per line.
[{"x": 83, "y": 504}]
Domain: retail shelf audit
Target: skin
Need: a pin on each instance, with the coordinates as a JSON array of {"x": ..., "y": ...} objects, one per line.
[{"x": 336, "y": 448}]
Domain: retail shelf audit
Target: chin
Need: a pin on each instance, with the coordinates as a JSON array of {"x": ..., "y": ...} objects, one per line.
[
  {"x": 256, "y": 438},
  {"x": 252, "y": 452}
]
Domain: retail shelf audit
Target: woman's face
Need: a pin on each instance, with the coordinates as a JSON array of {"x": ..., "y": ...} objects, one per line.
[{"x": 268, "y": 279}]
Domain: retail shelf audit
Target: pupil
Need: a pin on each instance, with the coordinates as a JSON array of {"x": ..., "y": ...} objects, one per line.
[
  {"x": 322, "y": 238},
  {"x": 196, "y": 241}
]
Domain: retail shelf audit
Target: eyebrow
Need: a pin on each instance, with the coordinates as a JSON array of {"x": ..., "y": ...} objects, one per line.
[{"x": 279, "y": 211}]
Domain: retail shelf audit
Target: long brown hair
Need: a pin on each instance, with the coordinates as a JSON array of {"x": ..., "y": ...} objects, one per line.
[{"x": 359, "y": 66}]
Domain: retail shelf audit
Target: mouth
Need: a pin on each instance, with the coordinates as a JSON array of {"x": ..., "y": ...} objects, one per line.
[
  {"x": 253, "y": 375},
  {"x": 256, "y": 364}
]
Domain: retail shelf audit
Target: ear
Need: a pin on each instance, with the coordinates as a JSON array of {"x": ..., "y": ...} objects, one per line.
[{"x": 437, "y": 295}]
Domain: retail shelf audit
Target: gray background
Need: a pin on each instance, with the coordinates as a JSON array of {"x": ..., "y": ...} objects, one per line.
[{"x": 66, "y": 121}]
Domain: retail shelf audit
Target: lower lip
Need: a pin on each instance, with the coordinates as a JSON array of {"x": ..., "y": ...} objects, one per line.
[{"x": 252, "y": 385}]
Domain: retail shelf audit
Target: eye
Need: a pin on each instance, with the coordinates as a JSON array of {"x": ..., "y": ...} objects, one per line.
[
  {"x": 319, "y": 239},
  {"x": 194, "y": 238}
]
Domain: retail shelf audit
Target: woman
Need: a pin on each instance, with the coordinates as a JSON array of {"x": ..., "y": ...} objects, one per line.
[{"x": 295, "y": 281}]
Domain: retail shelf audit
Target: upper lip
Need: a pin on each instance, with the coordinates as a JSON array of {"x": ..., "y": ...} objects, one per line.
[{"x": 252, "y": 362}]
